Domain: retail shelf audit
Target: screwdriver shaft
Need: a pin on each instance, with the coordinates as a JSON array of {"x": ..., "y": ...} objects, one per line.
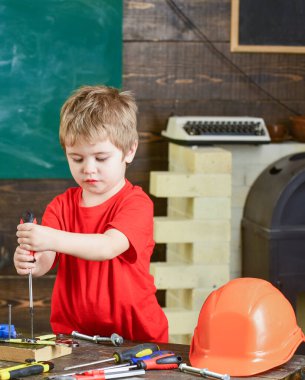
[
  {"x": 91, "y": 363},
  {"x": 139, "y": 350},
  {"x": 9, "y": 321},
  {"x": 204, "y": 372},
  {"x": 31, "y": 303},
  {"x": 28, "y": 217}
]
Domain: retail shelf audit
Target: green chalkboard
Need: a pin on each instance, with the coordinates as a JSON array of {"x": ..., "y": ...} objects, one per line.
[{"x": 48, "y": 49}]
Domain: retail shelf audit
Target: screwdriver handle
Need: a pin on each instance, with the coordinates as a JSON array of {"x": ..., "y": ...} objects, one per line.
[
  {"x": 135, "y": 352},
  {"x": 167, "y": 361},
  {"x": 28, "y": 217},
  {"x": 24, "y": 370},
  {"x": 153, "y": 355}
]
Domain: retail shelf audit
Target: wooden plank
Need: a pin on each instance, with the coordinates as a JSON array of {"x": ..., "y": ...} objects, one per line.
[
  {"x": 202, "y": 160},
  {"x": 154, "y": 113},
  {"x": 188, "y": 276},
  {"x": 14, "y": 291},
  {"x": 181, "y": 321},
  {"x": 88, "y": 352},
  {"x": 201, "y": 74},
  {"x": 173, "y": 184},
  {"x": 160, "y": 21},
  {"x": 10, "y": 352},
  {"x": 182, "y": 230}
]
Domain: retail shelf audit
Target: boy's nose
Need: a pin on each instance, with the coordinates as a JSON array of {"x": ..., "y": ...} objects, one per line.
[{"x": 89, "y": 167}]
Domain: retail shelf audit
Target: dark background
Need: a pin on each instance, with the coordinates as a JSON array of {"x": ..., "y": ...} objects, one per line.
[
  {"x": 176, "y": 60},
  {"x": 272, "y": 22}
]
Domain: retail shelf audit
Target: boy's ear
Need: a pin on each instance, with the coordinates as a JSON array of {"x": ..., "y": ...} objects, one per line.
[{"x": 130, "y": 155}]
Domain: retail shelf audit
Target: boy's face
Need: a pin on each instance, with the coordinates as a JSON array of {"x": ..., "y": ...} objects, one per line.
[{"x": 99, "y": 168}]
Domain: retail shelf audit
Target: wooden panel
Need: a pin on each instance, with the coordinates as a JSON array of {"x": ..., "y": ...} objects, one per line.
[
  {"x": 160, "y": 21},
  {"x": 14, "y": 291},
  {"x": 155, "y": 113},
  {"x": 88, "y": 352},
  {"x": 189, "y": 70},
  {"x": 16, "y": 197}
]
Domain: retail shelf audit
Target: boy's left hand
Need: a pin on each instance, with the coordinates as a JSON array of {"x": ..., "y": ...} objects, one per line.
[{"x": 34, "y": 237}]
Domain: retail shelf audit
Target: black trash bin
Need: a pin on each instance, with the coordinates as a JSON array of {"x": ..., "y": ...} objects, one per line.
[{"x": 273, "y": 227}]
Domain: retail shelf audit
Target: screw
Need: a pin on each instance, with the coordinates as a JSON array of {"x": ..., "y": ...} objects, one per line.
[
  {"x": 203, "y": 372},
  {"x": 115, "y": 339}
]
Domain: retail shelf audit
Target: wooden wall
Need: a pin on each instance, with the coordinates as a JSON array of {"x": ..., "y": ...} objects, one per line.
[{"x": 177, "y": 60}]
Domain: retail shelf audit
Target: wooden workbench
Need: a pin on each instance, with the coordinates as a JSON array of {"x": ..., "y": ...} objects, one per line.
[{"x": 89, "y": 352}]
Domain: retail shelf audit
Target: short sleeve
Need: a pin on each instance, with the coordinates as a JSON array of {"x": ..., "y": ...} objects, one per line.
[{"x": 135, "y": 220}]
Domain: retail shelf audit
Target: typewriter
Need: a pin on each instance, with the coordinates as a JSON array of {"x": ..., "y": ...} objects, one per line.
[{"x": 202, "y": 130}]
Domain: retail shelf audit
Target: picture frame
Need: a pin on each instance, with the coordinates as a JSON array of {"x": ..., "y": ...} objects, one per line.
[{"x": 268, "y": 26}]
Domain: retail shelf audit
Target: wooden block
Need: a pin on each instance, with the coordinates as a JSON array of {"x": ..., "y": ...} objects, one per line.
[
  {"x": 191, "y": 299},
  {"x": 199, "y": 159},
  {"x": 181, "y": 321},
  {"x": 187, "y": 276},
  {"x": 173, "y": 276},
  {"x": 20, "y": 353},
  {"x": 179, "y": 298},
  {"x": 208, "y": 252},
  {"x": 181, "y": 339},
  {"x": 200, "y": 207},
  {"x": 170, "y": 184},
  {"x": 300, "y": 310},
  {"x": 181, "y": 230},
  {"x": 199, "y": 296}
]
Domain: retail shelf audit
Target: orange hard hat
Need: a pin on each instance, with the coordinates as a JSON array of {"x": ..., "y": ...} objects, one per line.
[{"x": 245, "y": 327}]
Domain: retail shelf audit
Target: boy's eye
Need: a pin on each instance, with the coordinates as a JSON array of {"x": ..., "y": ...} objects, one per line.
[
  {"x": 101, "y": 159},
  {"x": 77, "y": 159}
]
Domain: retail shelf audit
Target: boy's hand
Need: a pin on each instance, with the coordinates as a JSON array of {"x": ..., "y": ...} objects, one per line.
[
  {"x": 34, "y": 237},
  {"x": 23, "y": 261}
]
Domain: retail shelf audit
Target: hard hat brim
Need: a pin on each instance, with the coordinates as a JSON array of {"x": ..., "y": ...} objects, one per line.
[{"x": 246, "y": 366}]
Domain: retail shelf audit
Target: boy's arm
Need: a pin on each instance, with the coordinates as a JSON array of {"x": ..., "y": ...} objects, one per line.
[{"x": 97, "y": 247}]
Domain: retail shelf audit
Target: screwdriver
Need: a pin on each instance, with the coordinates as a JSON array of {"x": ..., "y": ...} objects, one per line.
[
  {"x": 28, "y": 217},
  {"x": 123, "y": 356},
  {"x": 26, "y": 369},
  {"x": 91, "y": 372},
  {"x": 101, "y": 376},
  {"x": 133, "y": 363},
  {"x": 136, "y": 359},
  {"x": 164, "y": 361}
]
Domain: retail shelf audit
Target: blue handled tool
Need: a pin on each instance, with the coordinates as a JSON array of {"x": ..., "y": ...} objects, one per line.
[{"x": 7, "y": 331}]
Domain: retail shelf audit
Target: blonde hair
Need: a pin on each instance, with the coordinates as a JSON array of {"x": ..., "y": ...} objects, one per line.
[{"x": 99, "y": 112}]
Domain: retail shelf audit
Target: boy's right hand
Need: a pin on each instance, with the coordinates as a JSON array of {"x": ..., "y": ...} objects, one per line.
[{"x": 23, "y": 261}]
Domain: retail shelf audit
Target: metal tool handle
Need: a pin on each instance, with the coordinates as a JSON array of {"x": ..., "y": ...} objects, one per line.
[
  {"x": 78, "y": 335},
  {"x": 115, "y": 339},
  {"x": 204, "y": 372}
]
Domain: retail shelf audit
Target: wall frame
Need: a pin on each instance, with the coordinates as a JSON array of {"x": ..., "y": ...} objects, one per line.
[{"x": 268, "y": 26}]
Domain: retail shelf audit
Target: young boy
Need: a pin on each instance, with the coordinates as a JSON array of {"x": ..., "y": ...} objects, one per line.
[{"x": 100, "y": 234}]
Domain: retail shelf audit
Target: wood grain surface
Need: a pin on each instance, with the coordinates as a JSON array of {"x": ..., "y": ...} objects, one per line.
[{"x": 89, "y": 352}]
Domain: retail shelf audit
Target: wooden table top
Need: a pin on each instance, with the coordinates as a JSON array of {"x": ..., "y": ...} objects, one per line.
[{"x": 89, "y": 352}]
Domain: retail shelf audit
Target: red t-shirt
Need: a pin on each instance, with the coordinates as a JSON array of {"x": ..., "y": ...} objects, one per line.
[{"x": 117, "y": 295}]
